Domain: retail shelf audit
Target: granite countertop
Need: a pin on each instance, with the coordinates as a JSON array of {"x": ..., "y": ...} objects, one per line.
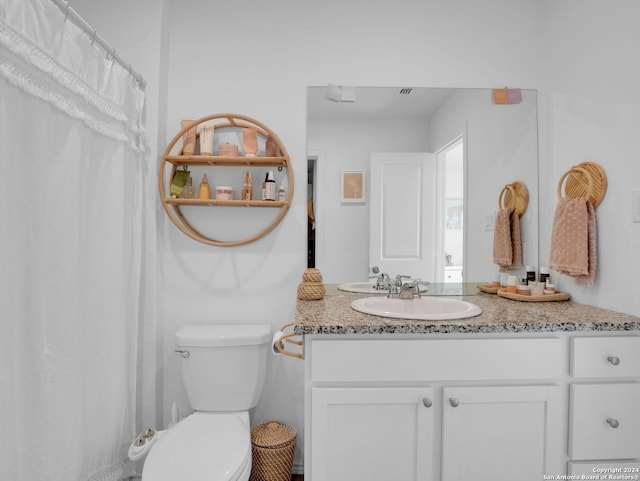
[{"x": 333, "y": 315}]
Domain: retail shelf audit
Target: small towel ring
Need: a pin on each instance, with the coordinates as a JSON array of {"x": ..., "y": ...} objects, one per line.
[
  {"x": 584, "y": 180},
  {"x": 515, "y": 195}
]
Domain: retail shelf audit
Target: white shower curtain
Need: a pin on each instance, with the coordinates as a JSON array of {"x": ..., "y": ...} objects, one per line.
[{"x": 71, "y": 158}]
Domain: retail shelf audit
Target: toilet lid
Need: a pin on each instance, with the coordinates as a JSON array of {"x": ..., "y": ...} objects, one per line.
[{"x": 203, "y": 446}]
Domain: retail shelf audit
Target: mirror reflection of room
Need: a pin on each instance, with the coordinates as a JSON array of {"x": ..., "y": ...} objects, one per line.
[{"x": 431, "y": 215}]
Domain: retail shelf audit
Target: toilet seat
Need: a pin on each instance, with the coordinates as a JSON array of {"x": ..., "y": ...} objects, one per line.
[{"x": 203, "y": 446}]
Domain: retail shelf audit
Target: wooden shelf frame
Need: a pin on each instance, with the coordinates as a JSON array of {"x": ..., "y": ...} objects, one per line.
[{"x": 172, "y": 205}]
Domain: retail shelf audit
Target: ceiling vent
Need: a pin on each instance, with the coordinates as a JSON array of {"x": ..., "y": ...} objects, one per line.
[{"x": 405, "y": 91}]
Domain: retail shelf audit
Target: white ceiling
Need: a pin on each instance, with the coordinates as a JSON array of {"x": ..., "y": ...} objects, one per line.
[{"x": 378, "y": 101}]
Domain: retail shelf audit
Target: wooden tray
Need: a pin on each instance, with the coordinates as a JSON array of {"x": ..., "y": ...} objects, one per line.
[
  {"x": 488, "y": 288},
  {"x": 558, "y": 296}
]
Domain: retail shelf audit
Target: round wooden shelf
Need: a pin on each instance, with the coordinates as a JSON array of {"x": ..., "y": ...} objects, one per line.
[{"x": 173, "y": 161}]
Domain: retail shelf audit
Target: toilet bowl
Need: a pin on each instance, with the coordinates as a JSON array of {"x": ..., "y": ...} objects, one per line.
[
  {"x": 203, "y": 446},
  {"x": 223, "y": 372}
]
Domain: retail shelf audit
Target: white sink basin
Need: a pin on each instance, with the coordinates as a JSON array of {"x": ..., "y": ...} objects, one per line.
[
  {"x": 368, "y": 288},
  {"x": 422, "y": 308}
]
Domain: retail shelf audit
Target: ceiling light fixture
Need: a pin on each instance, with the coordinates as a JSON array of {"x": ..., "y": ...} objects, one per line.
[{"x": 339, "y": 93}]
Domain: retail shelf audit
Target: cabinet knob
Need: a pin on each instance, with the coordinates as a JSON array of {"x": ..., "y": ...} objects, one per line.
[
  {"x": 613, "y": 423},
  {"x": 427, "y": 402},
  {"x": 614, "y": 360},
  {"x": 454, "y": 402}
]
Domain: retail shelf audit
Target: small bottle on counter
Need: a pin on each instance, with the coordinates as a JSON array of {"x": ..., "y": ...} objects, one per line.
[
  {"x": 545, "y": 275},
  {"x": 531, "y": 274},
  {"x": 204, "y": 192}
]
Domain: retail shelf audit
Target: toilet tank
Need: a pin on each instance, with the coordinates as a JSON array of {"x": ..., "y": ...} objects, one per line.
[{"x": 223, "y": 365}]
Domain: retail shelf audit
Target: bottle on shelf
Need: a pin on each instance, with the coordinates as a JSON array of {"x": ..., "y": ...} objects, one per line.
[
  {"x": 204, "y": 191},
  {"x": 269, "y": 187},
  {"x": 247, "y": 186},
  {"x": 271, "y": 147},
  {"x": 282, "y": 193},
  {"x": 188, "y": 192}
]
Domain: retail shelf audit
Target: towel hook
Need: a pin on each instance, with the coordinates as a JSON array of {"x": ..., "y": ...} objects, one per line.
[
  {"x": 515, "y": 195},
  {"x": 587, "y": 179},
  {"x": 502, "y": 198},
  {"x": 580, "y": 175}
]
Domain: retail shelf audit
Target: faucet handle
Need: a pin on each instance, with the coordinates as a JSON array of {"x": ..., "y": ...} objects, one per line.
[
  {"x": 416, "y": 286},
  {"x": 399, "y": 278}
]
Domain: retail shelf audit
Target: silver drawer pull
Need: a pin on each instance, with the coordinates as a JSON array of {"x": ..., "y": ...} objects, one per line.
[
  {"x": 613, "y": 423},
  {"x": 184, "y": 354},
  {"x": 427, "y": 402},
  {"x": 614, "y": 360},
  {"x": 454, "y": 402}
]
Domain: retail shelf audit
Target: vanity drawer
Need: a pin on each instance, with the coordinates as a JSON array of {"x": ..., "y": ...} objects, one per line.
[
  {"x": 409, "y": 360},
  {"x": 605, "y": 421},
  {"x": 606, "y": 357}
]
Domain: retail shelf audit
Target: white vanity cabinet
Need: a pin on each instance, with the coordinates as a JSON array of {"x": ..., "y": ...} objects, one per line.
[
  {"x": 605, "y": 404},
  {"x": 493, "y": 432},
  {"x": 448, "y": 408},
  {"x": 372, "y": 433}
]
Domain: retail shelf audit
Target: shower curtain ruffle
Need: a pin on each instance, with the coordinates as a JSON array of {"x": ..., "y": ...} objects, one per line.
[
  {"x": 72, "y": 155},
  {"x": 87, "y": 93}
]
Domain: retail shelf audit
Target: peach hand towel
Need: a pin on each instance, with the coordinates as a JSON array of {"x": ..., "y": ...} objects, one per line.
[
  {"x": 573, "y": 240},
  {"x": 507, "y": 248}
]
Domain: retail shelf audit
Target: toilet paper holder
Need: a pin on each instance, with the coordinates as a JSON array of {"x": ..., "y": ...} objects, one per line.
[{"x": 280, "y": 337}]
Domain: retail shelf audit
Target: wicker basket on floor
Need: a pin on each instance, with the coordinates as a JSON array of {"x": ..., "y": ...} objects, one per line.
[{"x": 273, "y": 445}]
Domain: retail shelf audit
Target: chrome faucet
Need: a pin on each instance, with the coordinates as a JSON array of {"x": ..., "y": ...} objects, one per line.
[
  {"x": 383, "y": 280},
  {"x": 395, "y": 288},
  {"x": 408, "y": 290}
]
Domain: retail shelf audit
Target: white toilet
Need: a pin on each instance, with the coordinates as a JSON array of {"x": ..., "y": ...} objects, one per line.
[{"x": 223, "y": 371}]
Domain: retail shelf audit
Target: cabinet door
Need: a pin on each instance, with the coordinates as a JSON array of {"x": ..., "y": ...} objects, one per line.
[
  {"x": 500, "y": 433},
  {"x": 605, "y": 421},
  {"x": 371, "y": 433}
]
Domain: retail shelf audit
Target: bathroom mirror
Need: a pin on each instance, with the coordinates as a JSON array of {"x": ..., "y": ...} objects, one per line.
[{"x": 347, "y": 127}]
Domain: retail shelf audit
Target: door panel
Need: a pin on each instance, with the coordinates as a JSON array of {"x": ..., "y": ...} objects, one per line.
[{"x": 403, "y": 214}]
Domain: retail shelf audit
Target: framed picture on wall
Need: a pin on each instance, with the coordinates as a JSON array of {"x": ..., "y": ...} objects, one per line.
[{"x": 352, "y": 186}]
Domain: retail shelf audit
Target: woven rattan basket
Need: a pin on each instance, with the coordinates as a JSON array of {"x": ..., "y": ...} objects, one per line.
[
  {"x": 311, "y": 291},
  {"x": 311, "y": 288},
  {"x": 273, "y": 445}
]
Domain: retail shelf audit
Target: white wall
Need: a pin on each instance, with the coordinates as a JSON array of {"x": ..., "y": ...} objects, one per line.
[
  {"x": 257, "y": 58},
  {"x": 590, "y": 110}
]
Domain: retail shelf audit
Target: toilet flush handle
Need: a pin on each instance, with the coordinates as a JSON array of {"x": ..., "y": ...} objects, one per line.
[{"x": 184, "y": 354}]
